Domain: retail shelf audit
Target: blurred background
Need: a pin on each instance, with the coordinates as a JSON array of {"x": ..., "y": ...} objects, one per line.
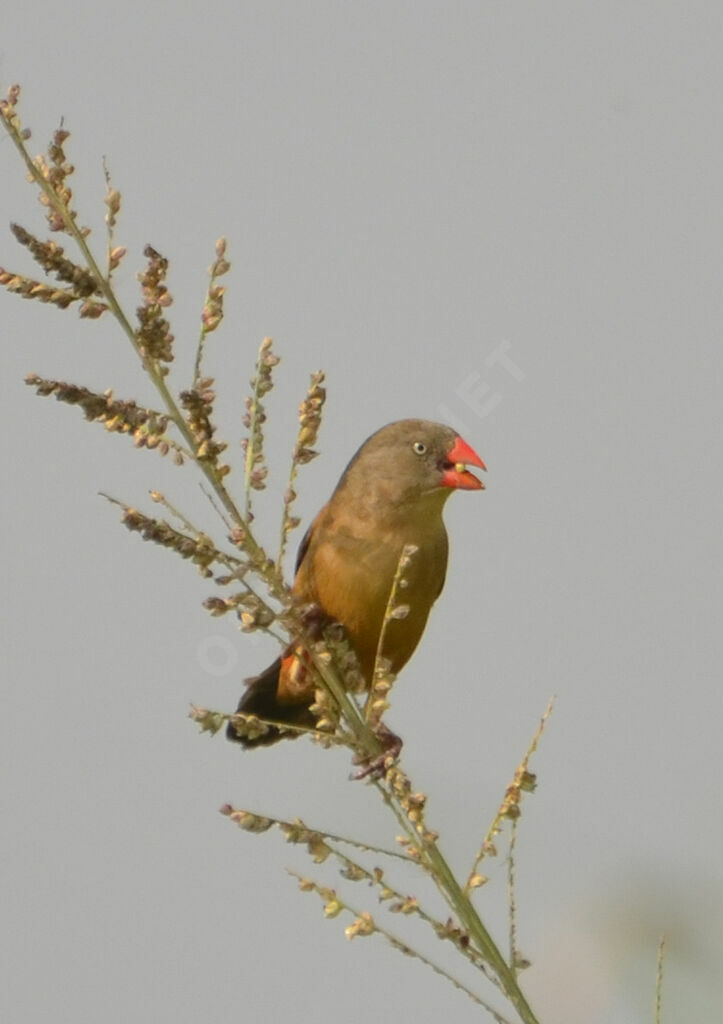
[{"x": 506, "y": 216}]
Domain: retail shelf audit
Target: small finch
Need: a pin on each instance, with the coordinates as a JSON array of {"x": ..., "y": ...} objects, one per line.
[{"x": 390, "y": 495}]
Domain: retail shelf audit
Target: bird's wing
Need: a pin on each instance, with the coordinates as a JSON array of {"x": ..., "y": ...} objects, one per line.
[
  {"x": 306, "y": 540},
  {"x": 303, "y": 548}
]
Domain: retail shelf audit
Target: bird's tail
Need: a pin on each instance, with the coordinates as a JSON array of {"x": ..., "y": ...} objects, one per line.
[{"x": 260, "y": 699}]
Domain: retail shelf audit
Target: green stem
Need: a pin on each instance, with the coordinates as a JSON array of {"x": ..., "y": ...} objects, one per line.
[{"x": 479, "y": 934}]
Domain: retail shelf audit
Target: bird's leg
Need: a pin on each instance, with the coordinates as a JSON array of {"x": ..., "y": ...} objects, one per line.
[
  {"x": 314, "y": 619},
  {"x": 375, "y": 767}
]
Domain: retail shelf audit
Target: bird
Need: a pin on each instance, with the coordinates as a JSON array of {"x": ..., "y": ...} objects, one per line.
[{"x": 391, "y": 494}]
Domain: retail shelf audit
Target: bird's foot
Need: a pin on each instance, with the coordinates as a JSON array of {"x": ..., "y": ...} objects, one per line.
[
  {"x": 314, "y": 619},
  {"x": 375, "y": 767}
]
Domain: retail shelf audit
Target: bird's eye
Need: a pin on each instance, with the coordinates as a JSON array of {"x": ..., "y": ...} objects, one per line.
[{"x": 419, "y": 447}]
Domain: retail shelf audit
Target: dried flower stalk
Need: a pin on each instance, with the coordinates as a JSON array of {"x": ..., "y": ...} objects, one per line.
[
  {"x": 310, "y": 412},
  {"x": 212, "y": 313},
  {"x": 256, "y": 471}
]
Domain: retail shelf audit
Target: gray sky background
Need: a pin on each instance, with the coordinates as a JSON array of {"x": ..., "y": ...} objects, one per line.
[{"x": 409, "y": 190}]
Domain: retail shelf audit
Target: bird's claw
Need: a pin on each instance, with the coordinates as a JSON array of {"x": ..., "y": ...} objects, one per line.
[
  {"x": 376, "y": 767},
  {"x": 373, "y": 769},
  {"x": 314, "y": 619}
]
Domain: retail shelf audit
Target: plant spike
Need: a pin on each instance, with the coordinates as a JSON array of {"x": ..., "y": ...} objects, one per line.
[
  {"x": 212, "y": 313},
  {"x": 310, "y": 412},
  {"x": 113, "y": 203},
  {"x": 255, "y": 470},
  {"x": 523, "y": 781}
]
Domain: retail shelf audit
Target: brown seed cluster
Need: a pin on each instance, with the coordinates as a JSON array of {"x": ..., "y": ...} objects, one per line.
[
  {"x": 412, "y": 804},
  {"x": 146, "y": 426},
  {"x": 378, "y": 703},
  {"x": 198, "y": 405},
  {"x": 310, "y": 412},
  {"x": 362, "y": 926},
  {"x": 251, "y": 727},
  {"x": 523, "y": 782},
  {"x": 113, "y": 202},
  {"x": 209, "y": 721},
  {"x": 246, "y": 820},
  {"x": 52, "y": 172},
  {"x": 199, "y": 549},
  {"x": 327, "y": 716},
  {"x": 154, "y": 333},
  {"x": 255, "y": 417},
  {"x": 55, "y": 170},
  {"x": 28, "y": 288},
  {"x": 52, "y": 259},
  {"x": 337, "y": 649},
  {"x": 8, "y": 105},
  {"x": 212, "y": 313},
  {"x": 251, "y": 611}
]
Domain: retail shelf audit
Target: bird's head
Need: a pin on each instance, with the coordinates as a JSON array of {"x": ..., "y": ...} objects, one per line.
[{"x": 409, "y": 459}]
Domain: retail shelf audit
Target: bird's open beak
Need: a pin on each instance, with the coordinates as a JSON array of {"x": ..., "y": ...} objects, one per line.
[{"x": 455, "y": 473}]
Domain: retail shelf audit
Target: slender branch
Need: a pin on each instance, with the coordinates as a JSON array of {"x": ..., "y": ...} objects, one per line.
[
  {"x": 511, "y": 902},
  {"x": 299, "y": 831},
  {"x": 377, "y": 701},
  {"x": 659, "y": 982},
  {"x": 364, "y": 925}
]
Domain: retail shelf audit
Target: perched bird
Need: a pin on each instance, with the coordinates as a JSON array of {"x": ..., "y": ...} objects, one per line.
[{"x": 391, "y": 494}]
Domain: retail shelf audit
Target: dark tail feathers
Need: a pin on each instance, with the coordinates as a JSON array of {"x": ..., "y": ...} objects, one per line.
[{"x": 260, "y": 699}]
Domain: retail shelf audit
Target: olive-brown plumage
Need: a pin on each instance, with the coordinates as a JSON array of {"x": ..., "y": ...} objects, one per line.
[{"x": 391, "y": 494}]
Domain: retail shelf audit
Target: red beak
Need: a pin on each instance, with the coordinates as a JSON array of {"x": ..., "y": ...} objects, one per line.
[{"x": 455, "y": 475}]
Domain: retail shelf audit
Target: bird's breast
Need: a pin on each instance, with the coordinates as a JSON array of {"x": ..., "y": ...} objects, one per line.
[{"x": 350, "y": 574}]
